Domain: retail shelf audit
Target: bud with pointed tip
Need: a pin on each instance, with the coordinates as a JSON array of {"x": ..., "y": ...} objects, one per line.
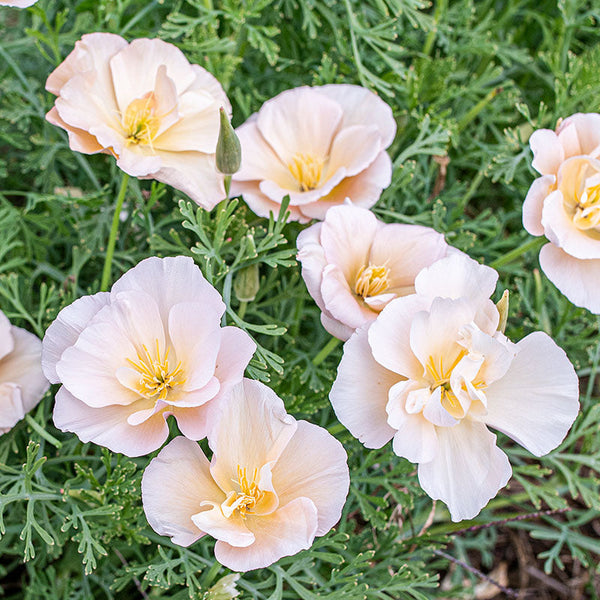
[
  {"x": 246, "y": 283},
  {"x": 229, "y": 151},
  {"x": 502, "y": 307},
  {"x": 224, "y": 589}
]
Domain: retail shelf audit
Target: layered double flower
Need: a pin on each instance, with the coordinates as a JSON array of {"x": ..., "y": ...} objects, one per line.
[
  {"x": 145, "y": 104},
  {"x": 319, "y": 145},
  {"x": 564, "y": 205},
  {"x": 433, "y": 372},
  {"x": 272, "y": 485},
  {"x": 151, "y": 347},
  {"x": 22, "y": 383},
  {"x": 354, "y": 264}
]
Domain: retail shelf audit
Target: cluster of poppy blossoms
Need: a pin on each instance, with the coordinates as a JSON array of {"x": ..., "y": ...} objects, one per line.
[{"x": 426, "y": 363}]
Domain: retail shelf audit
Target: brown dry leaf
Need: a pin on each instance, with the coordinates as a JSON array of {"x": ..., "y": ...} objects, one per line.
[{"x": 486, "y": 590}]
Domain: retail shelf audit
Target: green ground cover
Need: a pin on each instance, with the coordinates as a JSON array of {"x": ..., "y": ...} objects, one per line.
[{"x": 468, "y": 82}]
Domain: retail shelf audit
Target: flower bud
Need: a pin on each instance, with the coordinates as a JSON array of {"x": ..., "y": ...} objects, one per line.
[
  {"x": 229, "y": 151},
  {"x": 502, "y": 307},
  {"x": 224, "y": 589},
  {"x": 246, "y": 283}
]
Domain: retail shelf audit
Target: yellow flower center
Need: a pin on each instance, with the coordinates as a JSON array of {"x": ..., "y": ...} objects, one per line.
[
  {"x": 587, "y": 208},
  {"x": 440, "y": 377},
  {"x": 371, "y": 280},
  {"x": 306, "y": 170},
  {"x": 140, "y": 121},
  {"x": 248, "y": 496},
  {"x": 156, "y": 376}
]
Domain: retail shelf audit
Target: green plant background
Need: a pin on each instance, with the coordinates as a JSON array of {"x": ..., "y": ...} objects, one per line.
[{"x": 468, "y": 82}]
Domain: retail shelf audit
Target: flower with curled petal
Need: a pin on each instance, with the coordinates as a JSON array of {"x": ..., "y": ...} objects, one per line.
[
  {"x": 145, "y": 104},
  {"x": 564, "y": 205},
  {"x": 319, "y": 145},
  {"x": 151, "y": 347},
  {"x": 273, "y": 483},
  {"x": 22, "y": 383},
  {"x": 353, "y": 264},
  {"x": 433, "y": 372}
]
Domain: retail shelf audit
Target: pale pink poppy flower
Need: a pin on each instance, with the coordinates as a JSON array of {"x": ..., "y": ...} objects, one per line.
[
  {"x": 320, "y": 145},
  {"x": 432, "y": 373},
  {"x": 354, "y": 264},
  {"x": 273, "y": 483},
  {"x": 564, "y": 205},
  {"x": 17, "y": 3},
  {"x": 145, "y": 104},
  {"x": 151, "y": 347},
  {"x": 22, "y": 383}
]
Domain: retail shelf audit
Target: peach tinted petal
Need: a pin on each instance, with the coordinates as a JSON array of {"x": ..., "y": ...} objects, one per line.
[
  {"x": 282, "y": 533},
  {"x": 312, "y": 257},
  {"x": 170, "y": 281},
  {"x": 235, "y": 352},
  {"x": 195, "y": 422},
  {"x": 259, "y": 160},
  {"x": 299, "y": 121},
  {"x": 134, "y": 69},
  {"x": 406, "y": 250},
  {"x": 346, "y": 237},
  {"x": 335, "y": 328},
  {"x": 537, "y": 400},
  {"x": 23, "y": 367},
  {"x": 230, "y": 530},
  {"x": 253, "y": 429},
  {"x": 363, "y": 189},
  {"x": 577, "y": 279},
  {"x": 314, "y": 465},
  {"x": 534, "y": 203},
  {"x": 11, "y": 406},
  {"x": 7, "y": 342},
  {"x": 260, "y": 204},
  {"x": 79, "y": 139},
  {"x": 91, "y": 53},
  {"x": 207, "y": 81},
  {"x": 65, "y": 330},
  {"x": 389, "y": 336},
  {"x": 108, "y": 426},
  {"x": 179, "y": 471},
  {"x": 468, "y": 470},
  {"x": 352, "y": 157},
  {"x": 587, "y": 126},
  {"x": 548, "y": 154},
  {"x": 561, "y": 230},
  {"x": 362, "y": 106},
  {"x": 360, "y": 393}
]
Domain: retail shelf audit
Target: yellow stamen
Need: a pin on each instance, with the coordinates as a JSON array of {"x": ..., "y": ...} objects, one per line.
[
  {"x": 587, "y": 209},
  {"x": 307, "y": 170},
  {"x": 248, "y": 496},
  {"x": 156, "y": 378},
  {"x": 371, "y": 280},
  {"x": 441, "y": 378},
  {"x": 140, "y": 121}
]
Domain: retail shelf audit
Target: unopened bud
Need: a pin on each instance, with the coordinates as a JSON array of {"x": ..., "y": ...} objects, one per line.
[
  {"x": 224, "y": 589},
  {"x": 246, "y": 283},
  {"x": 229, "y": 151},
  {"x": 502, "y": 307}
]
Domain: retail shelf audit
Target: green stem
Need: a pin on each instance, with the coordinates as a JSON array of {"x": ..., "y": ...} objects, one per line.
[
  {"x": 112, "y": 238},
  {"x": 440, "y": 9},
  {"x": 470, "y": 116},
  {"x": 532, "y": 244},
  {"x": 331, "y": 345},
  {"x": 242, "y": 309},
  {"x": 227, "y": 186},
  {"x": 41, "y": 431}
]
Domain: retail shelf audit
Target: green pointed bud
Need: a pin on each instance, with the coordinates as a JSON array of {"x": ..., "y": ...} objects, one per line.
[
  {"x": 229, "y": 151},
  {"x": 246, "y": 283},
  {"x": 502, "y": 307},
  {"x": 224, "y": 589}
]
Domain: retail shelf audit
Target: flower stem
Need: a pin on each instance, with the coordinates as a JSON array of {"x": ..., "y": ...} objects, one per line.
[
  {"x": 532, "y": 244},
  {"x": 331, "y": 345},
  {"x": 112, "y": 238}
]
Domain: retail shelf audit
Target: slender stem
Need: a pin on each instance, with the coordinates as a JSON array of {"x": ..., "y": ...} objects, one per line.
[
  {"x": 532, "y": 244},
  {"x": 331, "y": 345},
  {"x": 242, "y": 309},
  {"x": 475, "y": 110},
  {"x": 227, "y": 186},
  {"x": 112, "y": 238},
  {"x": 41, "y": 431},
  {"x": 440, "y": 9}
]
